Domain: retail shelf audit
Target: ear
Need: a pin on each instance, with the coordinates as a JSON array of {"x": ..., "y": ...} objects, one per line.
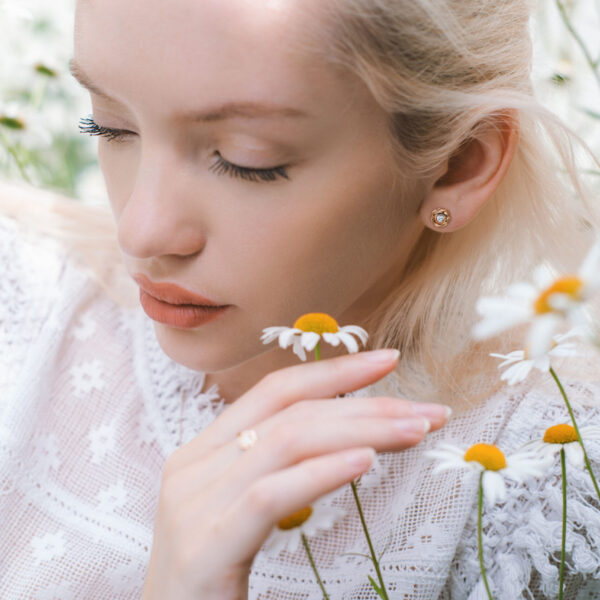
[{"x": 473, "y": 173}]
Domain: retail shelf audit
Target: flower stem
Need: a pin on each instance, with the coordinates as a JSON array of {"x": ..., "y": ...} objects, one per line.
[
  {"x": 588, "y": 57},
  {"x": 318, "y": 351},
  {"x": 314, "y": 566},
  {"x": 585, "y": 456},
  {"x": 561, "y": 584},
  {"x": 13, "y": 152},
  {"x": 362, "y": 516},
  {"x": 371, "y": 549},
  {"x": 480, "y": 536}
]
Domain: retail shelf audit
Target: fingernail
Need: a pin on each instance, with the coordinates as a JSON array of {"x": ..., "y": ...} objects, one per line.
[
  {"x": 412, "y": 425},
  {"x": 362, "y": 458},
  {"x": 431, "y": 410},
  {"x": 381, "y": 356}
]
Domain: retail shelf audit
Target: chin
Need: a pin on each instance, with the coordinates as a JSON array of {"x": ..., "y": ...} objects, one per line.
[{"x": 198, "y": 354}]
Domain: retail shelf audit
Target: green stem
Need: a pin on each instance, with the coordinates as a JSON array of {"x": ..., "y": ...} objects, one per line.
[
  {"x": 480, "y": 536},
  {"x": 371, "y": 549},
  {"x": 39, "y": 94},
  {"x": 561, "y": 583},
  {"x": 579, "y": 438},
  {"x": 314, "y": 566},
  {"x": 360, "y": 512},
  {"x": 318, "y": 351},
  {"x": 588, "y": 57},
  {"x": 11, "y": 150}
]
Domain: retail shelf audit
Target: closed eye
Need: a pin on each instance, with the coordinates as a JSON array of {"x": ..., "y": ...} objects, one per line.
[{"x": 221, "y": 166}]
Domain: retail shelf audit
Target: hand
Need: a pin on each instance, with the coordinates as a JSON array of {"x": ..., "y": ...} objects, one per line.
[{"x": 218, "y": 504}]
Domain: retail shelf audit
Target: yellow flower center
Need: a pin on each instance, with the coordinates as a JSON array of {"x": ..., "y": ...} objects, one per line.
[
  {"x": 317, "y": 322},
  {"x": 487, "y": 455},
  {"x": 560, "y": 434},
  {"x": 295, "y": 519},
  {"x": 570, "y": 285}
]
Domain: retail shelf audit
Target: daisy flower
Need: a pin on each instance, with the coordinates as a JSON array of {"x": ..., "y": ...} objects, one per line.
[
  {"x": 563, "y": 439},
  {"x": 564, "y": 436},
  {"x": 520, "y": 364},
  {"x": 308, "y": 331},
  {"x": 288, "y": 532},
  {"x": 545, "y": 304},
  {"x": 490, "y": 461}
]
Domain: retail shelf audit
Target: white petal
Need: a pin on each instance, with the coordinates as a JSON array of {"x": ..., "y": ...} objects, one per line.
[
  {"x": 356, "y": 330},
  {"x": 494, "y": 488},
  {"x": 590, "y": 432},
  {"x": 294, "y": 539},
  {"x": 348, "y": 341},
  {"x": 543, "y": 277},
  {"x": 271, "y": 333},
  {"x": 561, "y": 302},
  {"x": 309, "y": 340},
  {"x": 286, "y": 337},
  {"x": 574, "y": 454},
  {"x": 499, "y": 314},
  {"x": 590, "y": 267},
  {"x": 539, "y": 338},
  {"x": 523, "y": 291},
  {"x": 332, "y": 339},
  {"x": 542, "y": 363},
  {"x": 276, "y": 542},
  {"x": 298, "y": 349},
  {"x": 524, "y": 464},
  {"x": 510, "y": 358},
  {"x": 517, "y": 372}
]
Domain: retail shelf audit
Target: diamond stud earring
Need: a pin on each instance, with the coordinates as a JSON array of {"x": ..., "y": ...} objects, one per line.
[{"x": 440, "y": 217}]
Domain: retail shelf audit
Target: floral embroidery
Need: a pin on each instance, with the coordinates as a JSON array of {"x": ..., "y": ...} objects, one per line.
[
  {"x": 85, "y": 328},
  {"x": 112, "y": 497},
  {"x": 48, "y": 547},
  {"x": 102, "y": 441},
  {"x": 87, "y": 376}
]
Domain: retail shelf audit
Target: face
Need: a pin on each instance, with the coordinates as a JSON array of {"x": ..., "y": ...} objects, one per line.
[{"x": 320, "y": 227}]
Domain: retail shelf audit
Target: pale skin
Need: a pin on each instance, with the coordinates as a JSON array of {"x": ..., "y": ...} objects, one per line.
[{"x": 332, "y": 237}]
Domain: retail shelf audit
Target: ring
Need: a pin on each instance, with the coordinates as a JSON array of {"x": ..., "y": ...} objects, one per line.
[{"x": 246, "y": 439}]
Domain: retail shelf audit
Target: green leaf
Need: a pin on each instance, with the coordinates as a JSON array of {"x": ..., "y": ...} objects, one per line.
[{"x": 376, "y": 588}]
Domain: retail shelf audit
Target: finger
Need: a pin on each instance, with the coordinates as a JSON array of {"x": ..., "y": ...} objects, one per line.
[
  {"x": 253, "y": 514},
  {"x": 281, "y": 388},
  {"x": 298, "y": 441},
  {"x": 205, "y": 471}
]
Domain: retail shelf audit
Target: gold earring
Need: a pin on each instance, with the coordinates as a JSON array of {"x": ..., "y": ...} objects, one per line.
[{"x": 440, "y": 217}]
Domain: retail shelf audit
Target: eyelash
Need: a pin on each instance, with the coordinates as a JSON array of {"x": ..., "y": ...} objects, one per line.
[{"x": 89, "y": 126}]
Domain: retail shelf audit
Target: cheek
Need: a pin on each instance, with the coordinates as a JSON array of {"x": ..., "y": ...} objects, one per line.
[
  {"x": 118, "y": 164},
  {"x": 327, "y": 246}
]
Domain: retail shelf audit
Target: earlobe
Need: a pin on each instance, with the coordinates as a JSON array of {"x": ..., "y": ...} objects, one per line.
[{"x": 472, "y": 175}]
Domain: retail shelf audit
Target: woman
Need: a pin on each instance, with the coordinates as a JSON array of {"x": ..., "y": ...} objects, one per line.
[{"x": 382, "y": 162}]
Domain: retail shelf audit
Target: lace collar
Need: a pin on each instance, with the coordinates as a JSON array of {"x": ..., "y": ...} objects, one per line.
[{"x": 177, "y": 405}]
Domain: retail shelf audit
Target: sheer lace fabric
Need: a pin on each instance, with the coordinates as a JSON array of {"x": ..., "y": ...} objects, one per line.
[{"x": 91, "y": 407}]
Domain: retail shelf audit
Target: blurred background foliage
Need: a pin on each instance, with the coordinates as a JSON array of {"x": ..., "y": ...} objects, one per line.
[{"x": 41, "y": 104}]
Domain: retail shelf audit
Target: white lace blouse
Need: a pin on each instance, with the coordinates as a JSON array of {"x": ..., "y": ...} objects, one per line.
[{"x": 90, "y": 408}]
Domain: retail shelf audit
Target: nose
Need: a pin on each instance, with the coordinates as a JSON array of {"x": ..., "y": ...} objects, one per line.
[{"x": 161, "y": 215}]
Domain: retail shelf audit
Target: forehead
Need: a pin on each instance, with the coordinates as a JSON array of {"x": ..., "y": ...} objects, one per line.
[{"x": 195, "y": 50}]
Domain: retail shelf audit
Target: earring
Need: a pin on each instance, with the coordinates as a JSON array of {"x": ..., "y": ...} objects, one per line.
[{"x": 440, "y": 217}]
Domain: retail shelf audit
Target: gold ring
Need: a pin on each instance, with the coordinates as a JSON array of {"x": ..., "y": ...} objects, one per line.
[{"x": 246, "y": 439}]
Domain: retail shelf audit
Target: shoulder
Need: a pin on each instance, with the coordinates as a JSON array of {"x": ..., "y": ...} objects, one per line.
[{"x": 522, "y": 534}]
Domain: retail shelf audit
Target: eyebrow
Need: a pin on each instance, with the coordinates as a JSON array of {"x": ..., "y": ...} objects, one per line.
[{"x": 248, "y": 110}]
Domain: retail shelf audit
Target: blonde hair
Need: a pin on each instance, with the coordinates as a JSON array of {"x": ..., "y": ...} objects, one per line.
[{"x": 443, "y": 70}]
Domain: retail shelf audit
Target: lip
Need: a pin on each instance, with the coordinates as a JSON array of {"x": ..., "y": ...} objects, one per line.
[
  {"x": 172, "y": 305},
  {"x": 172, "y": 293}
]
